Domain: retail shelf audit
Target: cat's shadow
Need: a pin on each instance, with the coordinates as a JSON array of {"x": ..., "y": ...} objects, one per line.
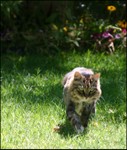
[{"x": 66, "y": 130}]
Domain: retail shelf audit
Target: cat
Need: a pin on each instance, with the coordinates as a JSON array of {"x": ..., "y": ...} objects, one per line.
[{"x": 81, "y": 91}]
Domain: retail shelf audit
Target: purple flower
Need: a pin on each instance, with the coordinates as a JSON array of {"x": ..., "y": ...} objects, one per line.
[
  {"x": 117, "y": 36},
  {"x": 106, "y": 35}
]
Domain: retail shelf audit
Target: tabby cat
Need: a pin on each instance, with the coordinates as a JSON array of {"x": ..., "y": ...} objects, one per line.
[{"x": 81, "y": 92}]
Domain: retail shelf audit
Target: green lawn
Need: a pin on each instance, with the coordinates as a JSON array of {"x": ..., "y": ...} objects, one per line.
[{"x": 32, "y": 105}]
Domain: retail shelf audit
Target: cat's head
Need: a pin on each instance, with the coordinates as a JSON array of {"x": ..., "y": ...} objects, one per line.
[{"x": 87, "y": 85}]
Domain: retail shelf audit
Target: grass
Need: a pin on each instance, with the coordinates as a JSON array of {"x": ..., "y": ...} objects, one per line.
[{"x": 31, "y": 102}]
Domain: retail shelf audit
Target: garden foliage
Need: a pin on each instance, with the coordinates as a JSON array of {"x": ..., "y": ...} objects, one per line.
[{"x": 54, "y": 25}]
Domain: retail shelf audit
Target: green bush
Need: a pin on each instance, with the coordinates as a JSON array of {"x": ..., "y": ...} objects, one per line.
[
  {"x": 44, "y": 25},
  {"x": 9, "y": 12}
]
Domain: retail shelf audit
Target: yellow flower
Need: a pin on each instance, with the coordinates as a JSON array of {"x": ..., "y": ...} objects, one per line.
[
  {"x": 65, "y": 29},
  {"x": 122, "y": 24},
  {"x": 111, "y": 8},
  {"x": 119, "y": 23}
]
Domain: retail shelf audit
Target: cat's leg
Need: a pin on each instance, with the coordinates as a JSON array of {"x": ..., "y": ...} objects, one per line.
[
  {"x": 74, "y": 118},
  {"x": 85, "y": 118},
  {"x": 88, "y": 110}
]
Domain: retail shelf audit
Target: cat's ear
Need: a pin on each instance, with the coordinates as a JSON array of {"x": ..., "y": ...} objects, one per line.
[
  {"x": 77, "y": 75},
  {"x": 96, "y": 76}
]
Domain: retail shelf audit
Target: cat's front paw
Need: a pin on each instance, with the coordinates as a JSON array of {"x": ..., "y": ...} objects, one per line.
[{"x": 79, "y": 129}]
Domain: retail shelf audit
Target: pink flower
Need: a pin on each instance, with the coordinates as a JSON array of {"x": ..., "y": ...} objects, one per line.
[
  {"x": 106, "y": 35},
  {"x": 124, "y": 32}
]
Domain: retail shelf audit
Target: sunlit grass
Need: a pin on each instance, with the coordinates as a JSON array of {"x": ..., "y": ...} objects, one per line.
[{"x": 31, "y": 102}]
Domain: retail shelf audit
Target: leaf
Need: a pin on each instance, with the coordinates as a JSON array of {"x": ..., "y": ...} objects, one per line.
[
  {"x": 56, "y": 128},
  {"x": 75, "y": 42}
]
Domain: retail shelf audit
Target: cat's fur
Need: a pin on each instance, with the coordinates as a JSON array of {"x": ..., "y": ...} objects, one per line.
[{"x": 81, "y": 92}]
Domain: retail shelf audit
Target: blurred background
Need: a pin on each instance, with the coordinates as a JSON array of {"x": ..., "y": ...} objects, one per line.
[{"x": 52, "y": 26}]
